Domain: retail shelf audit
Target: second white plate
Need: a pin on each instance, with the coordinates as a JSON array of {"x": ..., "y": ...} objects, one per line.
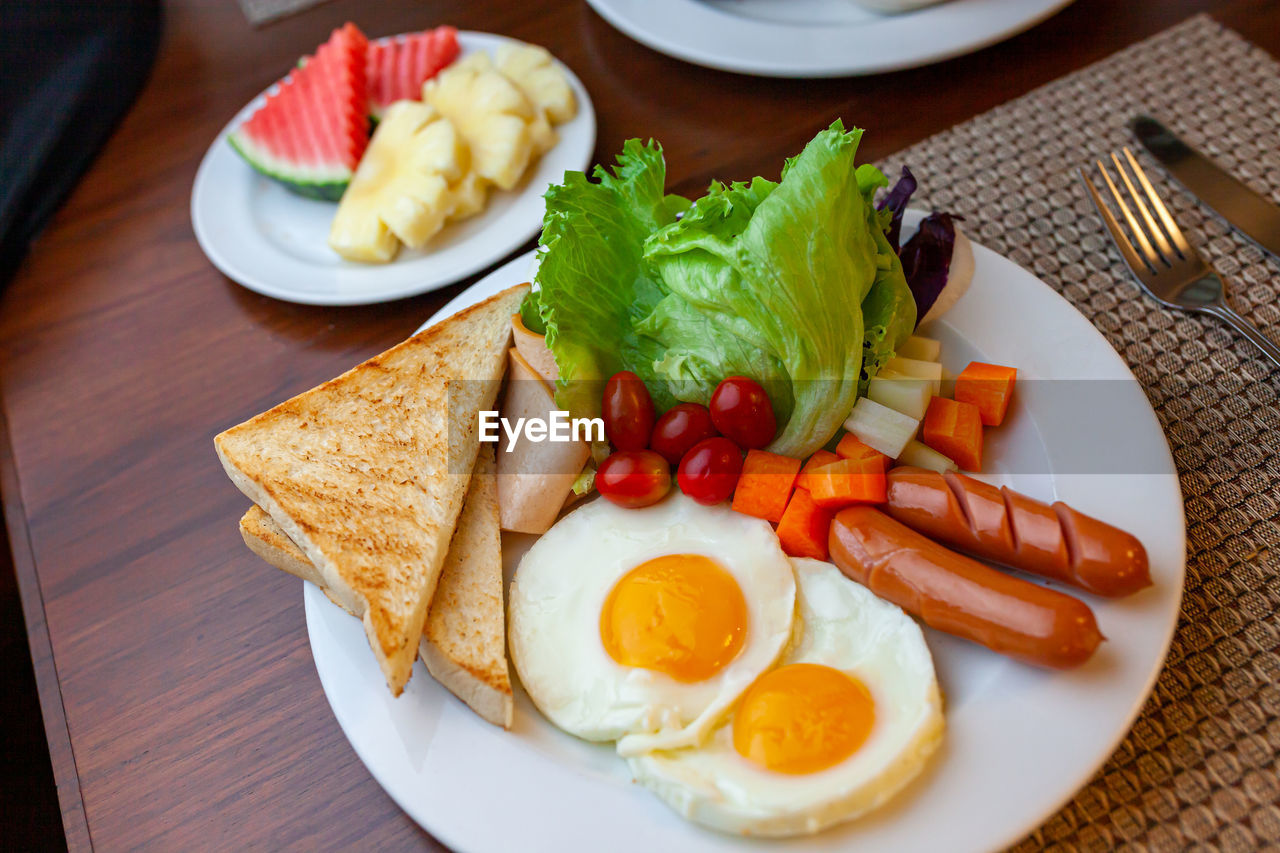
[
  {"x": 1020, "y": 741},
  {"x": 818, "y": 38},
  {"x": 275, "y": 242}
]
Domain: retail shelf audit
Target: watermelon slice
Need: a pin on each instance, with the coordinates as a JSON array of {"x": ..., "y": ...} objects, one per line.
[
  {"x": 312, "y": 131},
  {"x": 398, "y": 67}
]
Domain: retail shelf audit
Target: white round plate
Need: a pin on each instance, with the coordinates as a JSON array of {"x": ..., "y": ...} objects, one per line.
[
  {"x": 274, "y": 242},
  {"x": 1020, "y": 741},
  {"x": 818, "y": 38}
]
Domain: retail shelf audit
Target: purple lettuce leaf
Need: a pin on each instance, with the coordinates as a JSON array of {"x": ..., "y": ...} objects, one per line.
[
  {"x": 926, "y": 259},
  {"x": 896, "y": 201}
]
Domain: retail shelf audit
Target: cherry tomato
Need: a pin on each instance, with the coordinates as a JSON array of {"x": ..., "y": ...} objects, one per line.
[
  {"x": 709, "y": 471},
  {"x": 740, "y": 409},
  {"x": 634, "y": 478},
  {"x": 683, "y": 426},
  {"x": 628, "y": 411}
]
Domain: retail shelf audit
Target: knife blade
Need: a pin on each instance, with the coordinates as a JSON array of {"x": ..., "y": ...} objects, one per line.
[{"x": 1251, "y": 214}]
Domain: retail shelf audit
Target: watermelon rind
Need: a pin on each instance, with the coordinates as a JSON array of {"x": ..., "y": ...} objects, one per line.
[
  {"x": 325, "y": 184},
  {"x": 310, "y": 129}
]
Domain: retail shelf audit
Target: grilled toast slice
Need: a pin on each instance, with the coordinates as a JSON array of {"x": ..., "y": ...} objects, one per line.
[
  {"x": 366, "y": 473},
  {"x": 464, "y": 643}
]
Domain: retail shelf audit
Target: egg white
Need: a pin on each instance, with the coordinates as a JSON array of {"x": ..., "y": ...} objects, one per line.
[
  {"x": 561, "y": 586},
  {"x": 844, "y": 626}
]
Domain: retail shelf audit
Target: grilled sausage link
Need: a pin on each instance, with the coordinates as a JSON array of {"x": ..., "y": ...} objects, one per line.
[
  {"x": 961, "y": 596},
  {"x": 1006, "y": 527}
]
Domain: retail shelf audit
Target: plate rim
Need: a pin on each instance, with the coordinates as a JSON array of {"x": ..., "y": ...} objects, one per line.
[
  {"x": 314, "y": 601},
  {"x": 679, "y": 48},
  {"x": 250, "y": 280}
]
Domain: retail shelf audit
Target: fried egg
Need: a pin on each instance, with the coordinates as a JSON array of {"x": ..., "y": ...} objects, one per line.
[
  {"x": 849, "y": 716},
  {"x": 645, "y": 625}
]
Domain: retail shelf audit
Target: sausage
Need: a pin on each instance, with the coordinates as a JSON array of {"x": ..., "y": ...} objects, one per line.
[
  {"x": 961, "y": 596},
  {"x": 1006, "y": 527}
]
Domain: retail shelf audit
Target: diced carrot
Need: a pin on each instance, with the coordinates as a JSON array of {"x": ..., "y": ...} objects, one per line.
[
  {"x": 765, "y": 484},
  {"x": 804, "y": 527},
  {"x": 989, "y": 387},
  {"x": 848, "y": 481},
  {"x": 852, "y": 447},
  {"x": 817, "y": 460},
  {"x": 954, "y": 429}
]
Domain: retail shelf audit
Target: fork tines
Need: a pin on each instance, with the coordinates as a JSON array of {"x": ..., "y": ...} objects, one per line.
[{"x": 1160, "y": 245}]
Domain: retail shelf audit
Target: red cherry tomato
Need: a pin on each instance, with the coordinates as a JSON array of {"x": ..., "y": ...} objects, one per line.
[
  {"x": 709, "y": 471},
  {"x": 628, "y": 411},
  {"x": 634, "y": 478},
  {"x": 683, "y": 426},
  {"x": 740, "y": 409}
]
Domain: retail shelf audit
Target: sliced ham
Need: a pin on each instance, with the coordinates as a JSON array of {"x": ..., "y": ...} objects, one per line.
[
  {"x": 533, "y": 348},
  {"x": 534, "y": 478}
]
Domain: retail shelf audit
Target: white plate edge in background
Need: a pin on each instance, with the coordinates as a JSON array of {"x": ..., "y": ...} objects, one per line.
[{"x": 705, "y": 35}]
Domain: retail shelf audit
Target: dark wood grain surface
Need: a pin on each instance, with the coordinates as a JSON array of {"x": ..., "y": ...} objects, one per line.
[{"x": 179, "y": 697}]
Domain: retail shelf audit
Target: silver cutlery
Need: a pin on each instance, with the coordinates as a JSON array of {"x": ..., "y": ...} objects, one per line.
[
  {"x": 1164, "y": 263},
  {"x": 1249, "y": 213}
]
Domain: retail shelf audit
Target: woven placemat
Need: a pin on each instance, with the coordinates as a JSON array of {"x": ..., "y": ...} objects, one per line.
[{"x": 1199, "y": 769}]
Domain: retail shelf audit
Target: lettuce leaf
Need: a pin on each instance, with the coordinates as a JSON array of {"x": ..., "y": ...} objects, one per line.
[
  {"x": 592, "y": 284},
  {"x": 926, "y": 259},
  {"x": 706, "y": 334},
  {"x": 896, "y": 201},
  {"x": 793, "y": 283},
  {"x": 889, "y": 311},
  {"x": 777, "y": 275}
]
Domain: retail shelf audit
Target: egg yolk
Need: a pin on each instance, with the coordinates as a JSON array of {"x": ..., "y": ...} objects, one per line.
[
  {"x": 802, "y": 718},
  {"x": 681, "y": 614}
]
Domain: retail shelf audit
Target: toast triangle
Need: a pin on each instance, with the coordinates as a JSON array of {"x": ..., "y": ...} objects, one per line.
[
  {"x": 464, "y": 643},
  {"x": 366, "y": 473}
]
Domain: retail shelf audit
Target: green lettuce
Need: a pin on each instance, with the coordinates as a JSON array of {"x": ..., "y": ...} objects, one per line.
[
  {"x": 706, "y": 336},
  {"x": 792, "y": 283},
  {"x": 782, "y": 271},
  {"x": 592, "y": 285},
  {"x": 889, "y": 309}
]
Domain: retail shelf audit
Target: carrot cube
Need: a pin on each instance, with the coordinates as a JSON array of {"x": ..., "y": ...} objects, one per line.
[
  {"x": 805, "y": 527},
  {"x": 954, "y": 429},
  {"x": 849, "y": 481},
  {"x": 852, "y": 447},
  {"x": 765, "y": 485},
  {"x": 817, "y": 460},
  {"x": 989, "y": 387}
]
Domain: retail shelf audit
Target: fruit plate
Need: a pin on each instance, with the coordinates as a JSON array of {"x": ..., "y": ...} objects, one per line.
[
  {"x": 1020, "y": 741},
  {"x": 818, "y": 38},
  {"x": 274, "y": 242}
]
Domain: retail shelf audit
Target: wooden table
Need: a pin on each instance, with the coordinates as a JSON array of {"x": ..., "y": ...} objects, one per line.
[{"x": 180, "y": 701}]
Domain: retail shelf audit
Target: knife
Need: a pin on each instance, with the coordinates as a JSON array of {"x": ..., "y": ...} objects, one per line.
[{"x": 1250, "y": 213}]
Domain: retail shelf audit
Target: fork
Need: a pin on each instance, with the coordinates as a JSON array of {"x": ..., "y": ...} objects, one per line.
[{"x": 1164, "y": 263}]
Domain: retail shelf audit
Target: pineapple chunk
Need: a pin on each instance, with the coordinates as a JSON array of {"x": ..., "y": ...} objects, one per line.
[
  {"x": 478, "y": 61},
  {"x": 469, "y": 196},
  {"x": 492, "y": 116},
  {"x": 358, "y": 237},
  {"x": 400, "y": 191},
  {"x": 525, "y": 79},
  {"x": 542, "y": 136},
  {"x": 543, "y": 83}
]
